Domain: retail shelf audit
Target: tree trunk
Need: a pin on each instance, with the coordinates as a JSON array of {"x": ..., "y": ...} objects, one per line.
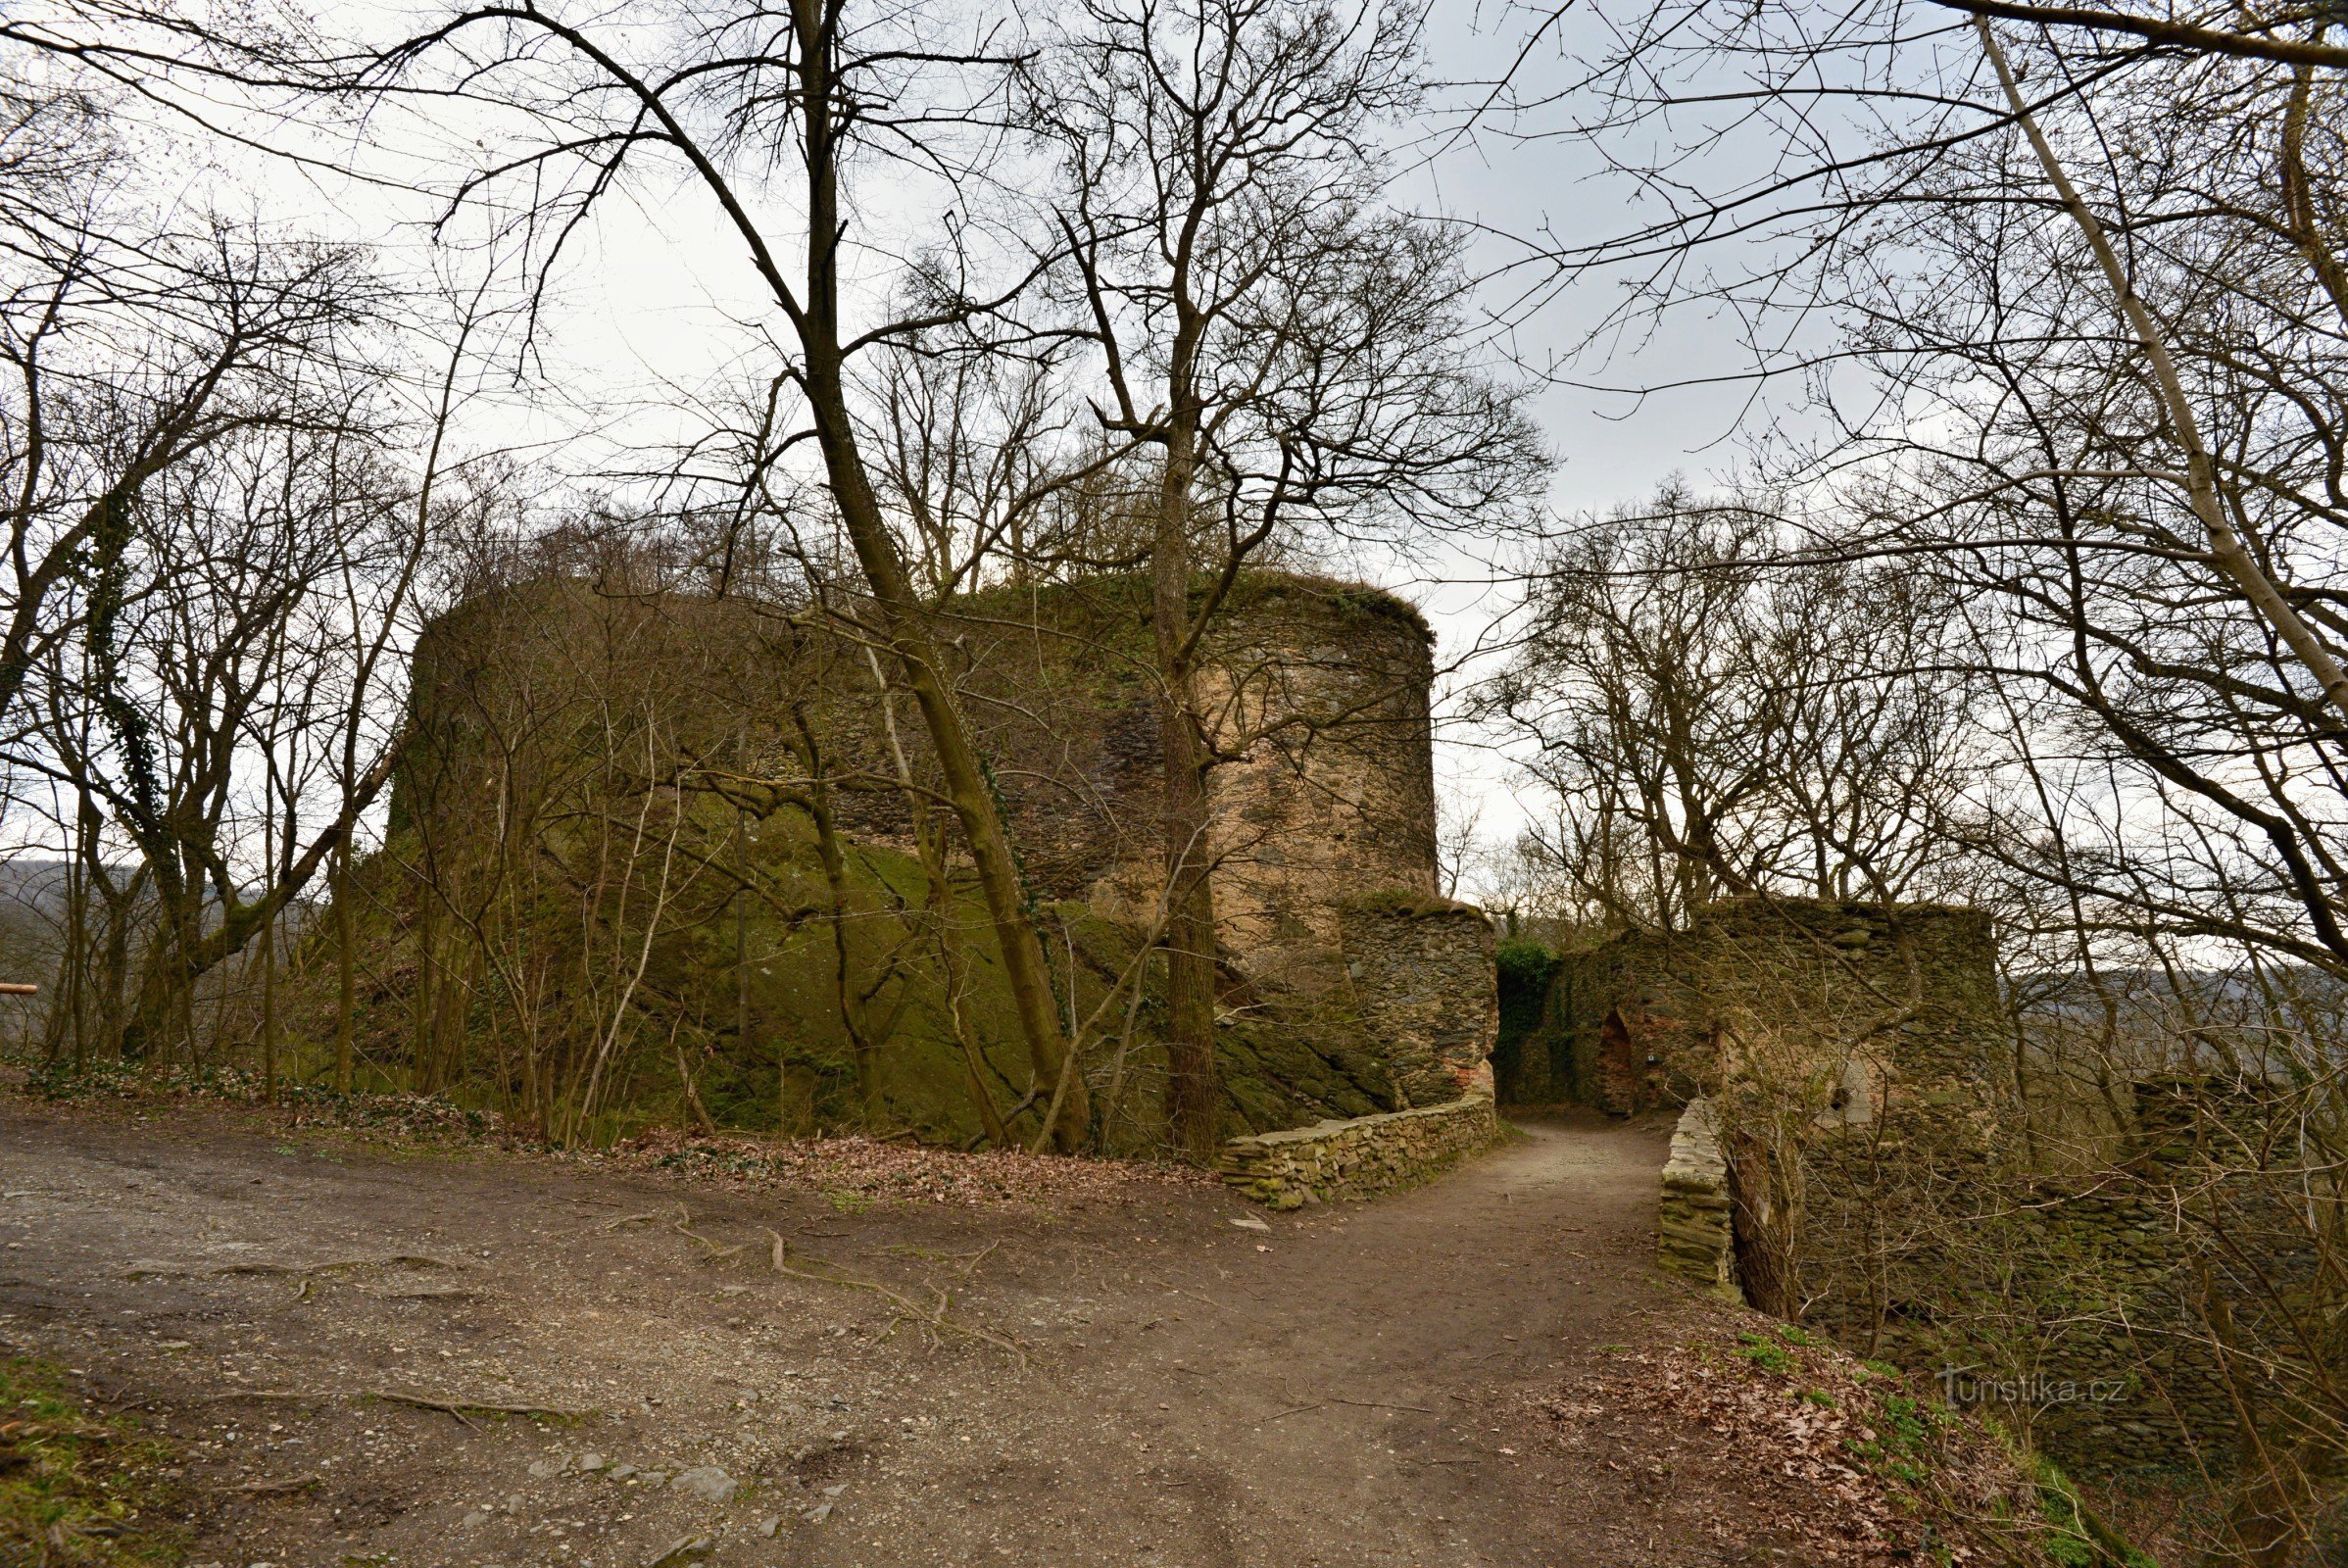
[
  {"x": 346, "y": 973},
  {"x": 843, "y": 909},
  {"x": 269, "y": 1013},
  {"x": 1193, "y": 1101},
  {"x": 1765, "y": 1221},
  {"x": 268, "y": 953},
  {"x": 905, "y": 619}
]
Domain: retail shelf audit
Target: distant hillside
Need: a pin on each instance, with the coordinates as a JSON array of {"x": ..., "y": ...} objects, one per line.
[{"x": 32, "y": 903}]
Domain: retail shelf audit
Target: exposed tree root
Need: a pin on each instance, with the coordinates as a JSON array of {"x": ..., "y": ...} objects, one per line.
[
  {"x": 683, "y": 1226},
  {"x": 274, "y": 1488},
  {"x": 465, "y": 1409},
  {"x": 303, "y": 1273},
  {"x": 629, "y": 1219},
  {"x": 936, "y": 1319}
]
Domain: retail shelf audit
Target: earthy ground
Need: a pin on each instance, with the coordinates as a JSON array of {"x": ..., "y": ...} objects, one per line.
[{"x": 1140, "y": 1377}]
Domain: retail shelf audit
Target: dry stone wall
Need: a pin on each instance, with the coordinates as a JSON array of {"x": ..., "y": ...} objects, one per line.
[
  {"x": 1360, "y": 1157},
  {"x": 1694, "y": 1231}
]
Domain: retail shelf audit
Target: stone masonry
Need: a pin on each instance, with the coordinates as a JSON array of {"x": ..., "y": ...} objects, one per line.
[
  {"x": 1361, "y": 1157},
  {"x": 1693, "y": 1225},
  {"x": 1422, "y": 977}
]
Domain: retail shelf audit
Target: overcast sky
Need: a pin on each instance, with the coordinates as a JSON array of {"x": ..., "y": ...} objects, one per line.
[{"x": 655, "y": 296}]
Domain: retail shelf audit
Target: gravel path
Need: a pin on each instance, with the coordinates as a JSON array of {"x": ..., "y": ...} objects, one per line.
[{"x": 1156, "y": 1375}]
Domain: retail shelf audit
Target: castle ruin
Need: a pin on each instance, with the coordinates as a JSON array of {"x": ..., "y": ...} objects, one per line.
[{"x": 782, "y": 759}]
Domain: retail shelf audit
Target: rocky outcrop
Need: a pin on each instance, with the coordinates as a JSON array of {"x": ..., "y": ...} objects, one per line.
[{"x": 1359, "y": 1158}]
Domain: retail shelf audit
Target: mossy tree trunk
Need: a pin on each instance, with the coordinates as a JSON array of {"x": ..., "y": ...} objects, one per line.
[
  {"x": 905, "y": 619},
  {"x": 808, "y": 108},
  {"x": 1193, "y": 1099},
  {"x": 345, "y": 972}
]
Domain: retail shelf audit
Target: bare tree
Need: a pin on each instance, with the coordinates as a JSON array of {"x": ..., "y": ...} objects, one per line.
[
  {"x": 2057, "y": 291},
  {"x": 1712, "y": 724},
  {"x": 1293, "y": 348},
  {"x": 193, "y": 462},
  {"x": 730, "y": 100}
]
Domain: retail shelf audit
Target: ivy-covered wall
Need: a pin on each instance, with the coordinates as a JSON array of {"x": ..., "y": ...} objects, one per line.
[{"x": 1523, "y": 1073}]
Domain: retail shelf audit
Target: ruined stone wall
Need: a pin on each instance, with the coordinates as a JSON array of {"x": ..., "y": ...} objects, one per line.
[
  {"x": 1318, "y": 693},
  {"x": 1692, "y": 1228},
  {"x": 1318, "y": 697},
  {"x": 1360, "y": 1157},
  {"x": 1420, "y": 996},
  {"x": 1925, "y": 1235},
  {"x": 1420, "y": 970},
  {"x": 2068, "y": 1299},
  {"x": 1637, "y": 1021},
  {"x": 537, "y": 701}
]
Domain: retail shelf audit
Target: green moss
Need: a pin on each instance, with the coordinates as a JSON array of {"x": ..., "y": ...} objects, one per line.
[
  {"x": 76, "y": 1488},
  {"x": 1764, "y": 1353},
  {"x": 2075, "y": 1537},
  {"x": 1410, "y": 902}
]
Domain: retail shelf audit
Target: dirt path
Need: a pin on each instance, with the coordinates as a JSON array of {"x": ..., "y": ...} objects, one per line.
[{"x": 1351, "y": 1386}]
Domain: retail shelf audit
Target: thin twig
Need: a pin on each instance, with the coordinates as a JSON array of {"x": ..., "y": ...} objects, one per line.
[{"x": 1376, "y": 1404}]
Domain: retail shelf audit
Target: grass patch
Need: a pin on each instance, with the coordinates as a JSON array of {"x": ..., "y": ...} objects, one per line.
[
  {"x": 75, "y": 1487},
  {"x": 1764, "y": 1353}
]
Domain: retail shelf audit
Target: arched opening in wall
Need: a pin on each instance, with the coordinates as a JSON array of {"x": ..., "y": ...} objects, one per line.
[{"x": 1616, "y": 1080}]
